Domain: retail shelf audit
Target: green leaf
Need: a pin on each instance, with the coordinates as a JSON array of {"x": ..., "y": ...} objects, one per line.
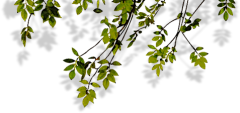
[
  {"x": 130, "y": 44},
  {"x": 149, "y": 53},
  {"x": 79, "y": 70},
  {"x": 155, "y": 66},
  {"x": 103, "y": 68},
  {"x": 152, "y": 59},
  {"x": 81, "y": 94},
  {"x": 72, "y": 74},
  {"x": 84, "y": 81},
  {"x": 49, "y": 3},
  {"x": 221, "y": 4},
  {"x": 113, "y": 72},
  {"x": 158, "y": 71},
  {"x": 232, "y": 1},
  {"x": 30, "y": 9},
  {"x": 201, "y": 62},
  {"x": 30, "y": 2},
  {"x": 158, "y": 27},
  {"x": 156, "y": 32},
  {"x": 114, "y": 52},
  {"x": 155, "y": 38},
  {"x": 105, "y": 83},
  {"x": 79, "y": 10},
  {"x": 95, "y": 85},
  {"x": 75, "y": 52},
  {"x": 20, "y": 7},
  {"x": 193, "y": 57},
  {"x": 229, "y": 11},
  {"x": 104, "y": 61},
  {"x": 18, "y": 2},
  {"x": 199, "y": 48},
  {"x": 69, "y": 67},
  {"x": 24, "y": 14},
  {"x": 179, "y": 15},
  {"x": 92, "y": 93},
  {"x": 56, "y": 4},
  {"x": 225, "y": 16},
  {"x": 105, "y": 21},
  {"x": 23, "y": 38},
  {"x": 105, "y": 35},
  {"x": 221, "y": 11},
  {"x": 79, "y": 57},
  {"x": 89, "y": 71},
  {"x": 39, "y": 2},
  {"x": 97, "y": 3},
  {"x": 113, "y": 32},
  {"x": 93, "y": 65},
  {"x": 116, "y": 63},
  {"x": 45, "y": 15},
  {"x": 103, "y": 2},
  {"x": 97, "y": 10},
  {"x": 101, "y": 75},
  {"x": 85, "y": 5},
  {"x": 151, "y": 47},
  {"x": 111, "y": 78},
  {"x": 119, "y": 7},
  {"x": 23, "y": 30},
  {"x": 165, "y": 31},
  {"x": 124, "y": 18},
  {"x": 52, "y": 21},
  {"x": 159, "y": 42},
  {"x": 68, "y": 60},
  {"x": 90, "y": 1},
  {"x": 141, "y": 23},
  {"x": 147, "y": 9},
  {"x": 203, "y": 53},
  {"x": 231, "y": 5},
  {"x": 188, "y": 14},
  {"x": 85, "y": 101},
  {"x": 82, "y": 89}
]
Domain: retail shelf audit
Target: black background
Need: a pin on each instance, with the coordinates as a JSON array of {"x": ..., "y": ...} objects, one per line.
[{"x": 44, "y": 86}]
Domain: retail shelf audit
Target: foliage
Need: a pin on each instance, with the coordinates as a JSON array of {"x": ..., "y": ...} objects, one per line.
[{"x": 111, "y": 36}]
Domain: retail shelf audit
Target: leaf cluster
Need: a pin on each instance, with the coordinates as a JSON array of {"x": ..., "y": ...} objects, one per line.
[{"x": 111, "y": 37}]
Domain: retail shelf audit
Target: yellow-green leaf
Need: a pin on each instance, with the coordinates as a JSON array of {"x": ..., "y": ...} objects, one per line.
[
  {"x": 95, "y": 85},
  {"x": 115, "y": 50},
  {"x": 85, "y": 102},
  {"x": 82, "y": 89},
  {"x": 74, "y": 51},
  {"x": 52, "y": 21},
  {"x": 79, "y": 10},
  {"x": 225, "y": 16},
  {"x": 84, "y": 81},
  {"x": 24, "y": 14},
  {"x": 158, "y": 71},
  {"x": 116, "y": 63},
  {"x": 81, "y": 94},
  {"x": 71, "y": 74},
  {"x": 20, "y": 7},
  {"x": 103, "y": 67},
  {"x": 111, "y": 78},
  {"x": 105, "y": 36},
  {"x": 103, "y": 61},
  {"x": 152, "y": 59},
  {"x": 106, "y": 83},
  {"x": 101, "y": 75},
  {"x": 68, "y": 68}
]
